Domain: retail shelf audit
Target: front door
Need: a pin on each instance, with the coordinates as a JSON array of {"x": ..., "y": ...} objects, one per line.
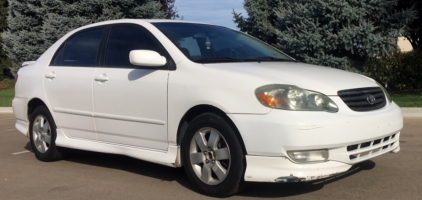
[{"x": 130, "y": 102}]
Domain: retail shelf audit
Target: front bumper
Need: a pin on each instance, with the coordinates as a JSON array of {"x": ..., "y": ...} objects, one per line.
[
  {"x": 350, "y": 137},
  {"x": 281, "y": 169}
]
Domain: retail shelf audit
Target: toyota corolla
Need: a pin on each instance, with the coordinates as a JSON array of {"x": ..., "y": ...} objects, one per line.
[{"x": 225, "y": 106}]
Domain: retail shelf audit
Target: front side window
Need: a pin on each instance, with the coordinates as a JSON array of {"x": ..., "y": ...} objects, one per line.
[
  {"x": 213, "y": 44},
  {"x": 81, "y": 49},
  {"x": 124, "y": 39}
]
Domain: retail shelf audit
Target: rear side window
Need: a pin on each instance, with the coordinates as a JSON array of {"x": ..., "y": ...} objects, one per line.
[
  {"x": 124, "y": 39},
  {"x": 81, "y": 49},
  {"x": 57, "y": 59}
]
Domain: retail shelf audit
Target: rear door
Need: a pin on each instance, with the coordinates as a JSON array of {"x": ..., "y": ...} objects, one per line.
[
  {"x": 130, "y": 102},
  {"x": 68, "y": 83}
]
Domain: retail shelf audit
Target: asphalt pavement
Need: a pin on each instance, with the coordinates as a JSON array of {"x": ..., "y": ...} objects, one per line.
[{"x": 89, "y": 175}]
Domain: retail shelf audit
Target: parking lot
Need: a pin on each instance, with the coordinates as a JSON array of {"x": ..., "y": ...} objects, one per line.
[{"x": 89, "y": 175}]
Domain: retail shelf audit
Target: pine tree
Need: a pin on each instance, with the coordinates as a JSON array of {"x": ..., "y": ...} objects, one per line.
[
  {"x": 336, "y": 33},
  {"x": 34, "y": 25},
  {"x": 5, "y": 62},
  {"x": 414, "y": 31},
  {"x": 167, "y": 6}
]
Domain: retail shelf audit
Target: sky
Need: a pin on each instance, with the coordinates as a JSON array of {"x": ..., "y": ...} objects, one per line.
[{"x": 218, "y": 12}]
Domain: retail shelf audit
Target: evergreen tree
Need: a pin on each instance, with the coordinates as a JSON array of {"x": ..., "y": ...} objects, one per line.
[
  {"x": 167, "y": 6},
  {"x": 336, "y": 33},
  {"x": 34, "y": 25},
  {"x": 5, "y": 62},
  {"x": 414, "y": 31}
]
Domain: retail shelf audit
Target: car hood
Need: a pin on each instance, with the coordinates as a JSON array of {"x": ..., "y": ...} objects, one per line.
[{"x": 311, "y": 77}]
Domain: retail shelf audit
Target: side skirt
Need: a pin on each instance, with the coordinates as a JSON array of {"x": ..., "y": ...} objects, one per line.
[{"x": 170, "y": 158}]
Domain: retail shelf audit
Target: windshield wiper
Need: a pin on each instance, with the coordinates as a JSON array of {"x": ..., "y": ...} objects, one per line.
[
  {"x": 218, "y": 59},
  {"x": 269, "y": 58}
]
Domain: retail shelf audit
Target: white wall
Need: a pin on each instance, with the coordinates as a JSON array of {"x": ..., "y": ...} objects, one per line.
[{"x": 404, "y": 44}]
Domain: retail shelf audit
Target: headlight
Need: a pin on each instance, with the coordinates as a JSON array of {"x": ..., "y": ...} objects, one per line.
[
  {"x": 385, "y": 92},
  {"x": 289, "y": 97}
]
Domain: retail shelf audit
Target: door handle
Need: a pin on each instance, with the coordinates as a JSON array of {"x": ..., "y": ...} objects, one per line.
[
  {"x": 51, "y": 75},
  {"x": 101, "y": 78}
]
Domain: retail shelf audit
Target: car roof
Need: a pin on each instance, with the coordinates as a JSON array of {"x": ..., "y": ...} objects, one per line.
[
  {"x": 136, "y": 21},
  {"x": 147, "y": 23},
  {"x": 146, "y": 20}
]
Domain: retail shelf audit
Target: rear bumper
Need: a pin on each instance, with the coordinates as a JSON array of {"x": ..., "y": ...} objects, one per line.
[{"x": 20, "y": 109}]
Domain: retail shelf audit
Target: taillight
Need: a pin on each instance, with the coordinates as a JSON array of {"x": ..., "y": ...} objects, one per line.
[{"x": 16, "y": 79}]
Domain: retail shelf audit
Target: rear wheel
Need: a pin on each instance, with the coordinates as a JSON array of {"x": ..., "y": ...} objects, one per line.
[
  {"x": 42, "y": 133},
  {"x": 212, "y": 156}
]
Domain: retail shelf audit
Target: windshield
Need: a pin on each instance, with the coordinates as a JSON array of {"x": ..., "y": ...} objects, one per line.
[{"x": 214, "y": 44}]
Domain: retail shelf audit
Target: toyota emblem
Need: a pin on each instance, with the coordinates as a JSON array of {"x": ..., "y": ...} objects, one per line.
[{"x": 370, "y": 98}]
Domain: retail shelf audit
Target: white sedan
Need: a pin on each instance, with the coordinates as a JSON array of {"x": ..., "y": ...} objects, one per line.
[{"x": 227, "y": 107}]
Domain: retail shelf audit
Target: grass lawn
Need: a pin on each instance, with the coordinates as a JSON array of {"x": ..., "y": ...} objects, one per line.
[
  {"x": 6, "y": 97},
  {"x": 403, "y": 100},
  {"x": 408, "y": 100}
]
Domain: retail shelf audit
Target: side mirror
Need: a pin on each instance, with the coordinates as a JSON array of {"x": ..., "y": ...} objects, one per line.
[{"x": 146, "y": 58}]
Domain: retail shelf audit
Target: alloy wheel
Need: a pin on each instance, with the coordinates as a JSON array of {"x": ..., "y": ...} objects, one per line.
[
  {"x": 41, "y": 134},
  {"x": 210, "y": 156}
]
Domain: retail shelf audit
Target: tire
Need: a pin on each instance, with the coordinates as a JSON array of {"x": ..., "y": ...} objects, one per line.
[
  {"x": 42, "y": 134},
  {"x": 212, "y": 156}
]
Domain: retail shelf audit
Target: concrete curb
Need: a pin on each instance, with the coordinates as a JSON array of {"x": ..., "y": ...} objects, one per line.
[
  {"x": 407, "y": 112},
  {"x": 6, "y": 110},
  {"x": 412, "y": 112}
]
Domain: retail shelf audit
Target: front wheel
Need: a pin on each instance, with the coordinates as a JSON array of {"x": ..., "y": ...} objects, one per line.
[{"x": 212, "y": 156}]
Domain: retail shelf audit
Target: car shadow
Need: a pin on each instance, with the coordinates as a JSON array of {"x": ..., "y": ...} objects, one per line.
[
  {"x": 28, "y": 146},
  {"x": 164, "y": 173},
  {"x": 128, "y": 164}
]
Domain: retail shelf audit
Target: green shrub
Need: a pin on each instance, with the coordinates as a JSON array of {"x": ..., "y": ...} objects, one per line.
[
  {"x": 7, "y": 84},
  {"x": 401, "y": 71}
]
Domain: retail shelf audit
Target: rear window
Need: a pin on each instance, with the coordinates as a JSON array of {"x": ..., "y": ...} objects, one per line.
[{"x": 81, "y": 49}]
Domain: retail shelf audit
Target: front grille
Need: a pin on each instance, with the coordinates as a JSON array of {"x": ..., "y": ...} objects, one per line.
[
  {"x": 373, "y": 148},
  {"x": 357, "y": 99}
]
